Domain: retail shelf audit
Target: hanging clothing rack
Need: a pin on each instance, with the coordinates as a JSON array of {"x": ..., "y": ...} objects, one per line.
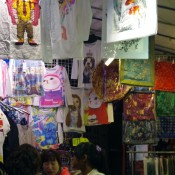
[
  {"x": 151, "y": 152},
  {"x": 165, "y": 57},
  {"x": 9, "y": 108}
]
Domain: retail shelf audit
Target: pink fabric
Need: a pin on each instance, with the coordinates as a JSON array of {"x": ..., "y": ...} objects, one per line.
[
  {"x": 36, "y": 12},
  {"x": 10, "y": 10}
]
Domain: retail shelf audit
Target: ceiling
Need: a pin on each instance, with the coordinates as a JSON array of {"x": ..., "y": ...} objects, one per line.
[{"x": 165, "y": 38}]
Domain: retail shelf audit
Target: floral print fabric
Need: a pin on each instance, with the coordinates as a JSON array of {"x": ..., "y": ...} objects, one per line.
[
  {"x": 164, "y": 76},
  {"x": 139, "y": 106},
  {"x": 139, "y": 132},
  {"x": 165, "y": 103},
  {"x": 137, "y": 72},
  {"x": 105, "y": 82}
]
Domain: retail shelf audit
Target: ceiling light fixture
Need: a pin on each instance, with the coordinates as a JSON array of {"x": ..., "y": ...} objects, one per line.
[{"x": 109, "y": 61}]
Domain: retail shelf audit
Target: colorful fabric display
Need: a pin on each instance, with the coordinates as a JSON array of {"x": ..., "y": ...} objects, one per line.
[
  {"x": 26, "y": 77},
  {"x": 44, "y": 127},
  {"x": 164, "y": 76},
  {"x": 57, "y": 89},
  {"x": 18, "y": 101},
  {"x": 137, "y": 72},
  {"x": 166, "y": 127},
  {"x": 105, "y": 82},
  {"x": 139, "y": 106},
  {"x": 74, "y": 115},
  {"x": 95, "y": 111},
  {"x": 5, "y": 88},
  {"x": 165, "y": 103},
  {"x": 139, "y": 132},
  {"x": 24, "y": 29}
]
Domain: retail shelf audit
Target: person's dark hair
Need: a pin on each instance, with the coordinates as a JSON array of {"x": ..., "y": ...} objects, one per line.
[
  {"x": 96, "y": 156},
  {"x": 24, "y": 160},
  {"x": 3, "y": 170},
  {"x": 50, "y": 155}
]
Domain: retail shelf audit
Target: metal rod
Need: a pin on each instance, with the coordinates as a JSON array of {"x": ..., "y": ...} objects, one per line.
[
  {"x": 97, "y": 8},
  {"x": 165, "y": 7},
  {"x": 152, "y": 152}
]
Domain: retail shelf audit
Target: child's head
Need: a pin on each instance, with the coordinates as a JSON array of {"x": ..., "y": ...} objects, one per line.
[
  {"x": 91, "y": 155},
  {"x": 24, "y": 160},
  {"x": 50, "y": 162}
]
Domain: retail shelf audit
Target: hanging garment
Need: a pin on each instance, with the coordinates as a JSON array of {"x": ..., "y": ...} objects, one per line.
[
  {"x": 139, "y": 132},
  {"x": 66, "y": 35},
  {"x": 26, "y": 77},
  {"x": 4, "y": 31},
  {"x": 164, "y": 76},
  {"x": 105, "y": 82},
  {"x": 137, "y": 72},
  {"x": 139, "y": 106},
  {"x": 25, "y": 134},
  {"x": 44, "y": 127},
  {"x": 95, "y": 111},
  {"x": 25, "y": 29},
  {"x": 4, "y": 130},
  {"x": 82, "y": 69},
  {"x": 73, "y": 120},
  {"x": 57, "y": 92},
  {"x": 165, "y": 103},
  {"x": 165, "y": 126},
  {"x": 150, "y": 164},
  {"x": 11, "y": 141},
  {"x": 5, "y": 88}
]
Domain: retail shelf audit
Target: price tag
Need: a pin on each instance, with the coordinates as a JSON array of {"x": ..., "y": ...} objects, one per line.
[
  {"x": 76, "y": 141},
  {"x": 24, "y": 67}
]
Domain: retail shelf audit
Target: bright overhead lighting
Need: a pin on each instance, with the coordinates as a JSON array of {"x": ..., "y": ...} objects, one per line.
[{"x": 109, "y": 61}]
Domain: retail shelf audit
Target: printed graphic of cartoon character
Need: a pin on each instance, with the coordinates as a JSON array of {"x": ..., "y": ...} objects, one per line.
[
  {"x": 73, "y": 118},
  {"x": 65, "y": 6},
  {"x": 53, "y": 91},
  {"x": 24, "y": 14},
  {"x": 89, "y": 66},
  {"x": 97, "y": 110}
]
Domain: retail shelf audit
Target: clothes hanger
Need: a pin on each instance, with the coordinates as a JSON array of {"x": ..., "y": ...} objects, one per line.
[{"x": 92, "y": 38}]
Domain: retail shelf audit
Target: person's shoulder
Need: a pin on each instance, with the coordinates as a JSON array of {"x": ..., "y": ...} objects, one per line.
[
  {"x": 64, "y": 171},
  {"x": 95, "y": 172}
]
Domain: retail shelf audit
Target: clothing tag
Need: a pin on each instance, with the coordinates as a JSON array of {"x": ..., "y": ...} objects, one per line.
[
  {"x": 24, "y": 67},
  {"x": 1, "y": 123},
  {"x": 76, "y": 141}
]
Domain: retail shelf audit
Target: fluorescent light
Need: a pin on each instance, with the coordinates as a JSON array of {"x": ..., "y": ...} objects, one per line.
[{"x": 109, "y": 61}]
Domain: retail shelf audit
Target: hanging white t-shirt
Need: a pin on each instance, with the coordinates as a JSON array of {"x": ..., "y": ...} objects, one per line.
[
  {"x": 4, "y": 30},
  {"x": 74, "y": 20},
  {"x": 56, "y": 88},
  {"x": 44, "y": 127},
  {"x": 25, "y": 134},
  {"x": 92, "y": 56},
  {"x": 73, "y": 120},
  {"x": 4, "y": 129}
]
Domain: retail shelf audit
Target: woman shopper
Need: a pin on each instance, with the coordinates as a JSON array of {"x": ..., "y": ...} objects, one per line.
[
  {"x": 51, "y": 163},
  {"x": 90, "y": 159},
  {"x": 23, "y": 161}
]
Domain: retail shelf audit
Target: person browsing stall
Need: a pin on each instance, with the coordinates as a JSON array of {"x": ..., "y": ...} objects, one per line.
[
  {"x": 25, "y": 160},
  {"x": 51, "y": 163},
  {"x": 90, "y": 159}
]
